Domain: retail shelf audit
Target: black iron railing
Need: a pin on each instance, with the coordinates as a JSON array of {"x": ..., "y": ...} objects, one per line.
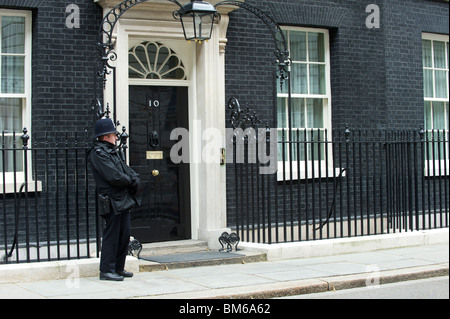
[
  {"x": 326, "y": 184},
  {"x": 340, "y": 183},
  {"x": 47, "y": 207}
]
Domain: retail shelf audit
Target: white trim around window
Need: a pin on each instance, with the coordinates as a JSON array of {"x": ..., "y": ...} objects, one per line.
[
  {"x": 19, "y": 52},
  {"x": 435, "y": 57},
  {"x": 311, "y": 101}
]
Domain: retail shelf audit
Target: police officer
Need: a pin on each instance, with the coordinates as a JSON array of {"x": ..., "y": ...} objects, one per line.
[{"x": 117, "y": 185}]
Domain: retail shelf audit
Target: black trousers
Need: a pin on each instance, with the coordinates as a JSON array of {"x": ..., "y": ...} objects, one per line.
[{"x": 116, "y": 238}]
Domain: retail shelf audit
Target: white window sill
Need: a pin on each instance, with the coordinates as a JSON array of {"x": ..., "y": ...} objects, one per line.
[
  {"x": 437, "y": 168},
  {"x": 320, "y": 171},
  {"x": 11, "y": 188}
]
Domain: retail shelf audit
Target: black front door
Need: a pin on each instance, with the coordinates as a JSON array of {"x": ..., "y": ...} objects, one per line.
[{"x": 154, "y": 112}]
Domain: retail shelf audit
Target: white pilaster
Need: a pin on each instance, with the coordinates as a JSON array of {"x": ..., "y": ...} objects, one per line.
[{"x": 211, "y": 115}]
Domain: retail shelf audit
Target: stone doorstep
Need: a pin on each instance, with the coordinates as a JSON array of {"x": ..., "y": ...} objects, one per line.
[
  {"x": 173, "y": 247},
  {"x": 249, "y": 257},
  {"x": 189, "y": 246}
]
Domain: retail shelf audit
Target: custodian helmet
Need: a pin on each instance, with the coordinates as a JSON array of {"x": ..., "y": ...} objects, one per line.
[{"x": 103, "y": 127}]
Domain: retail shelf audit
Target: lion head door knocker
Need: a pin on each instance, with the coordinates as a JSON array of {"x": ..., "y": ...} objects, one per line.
[{"x": 153, "y": 139}]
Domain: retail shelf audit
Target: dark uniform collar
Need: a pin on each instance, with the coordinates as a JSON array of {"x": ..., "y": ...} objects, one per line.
[
  {"x": 107, "y": 144},
  {"x": 109, "y": 147}
]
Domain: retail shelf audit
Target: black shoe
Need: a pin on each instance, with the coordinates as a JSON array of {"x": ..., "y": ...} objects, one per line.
[
  {"x": 125, "y": 273},
  {"x": 110, "y": 276}
]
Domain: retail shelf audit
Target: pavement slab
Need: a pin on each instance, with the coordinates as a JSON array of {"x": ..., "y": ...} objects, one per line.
[{"x": 258, "y": 280}]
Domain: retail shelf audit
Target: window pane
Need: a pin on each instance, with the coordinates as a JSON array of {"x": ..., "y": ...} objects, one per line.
[
  {"x": 441, "y": 84},
  {"x": 136, "y": 70},
  {"x": 298, "y": 113},
  {"x": 161, "y": 61},
  {"x": 8, "y": 143},
  {"x": 298, "y": 45},
  {"x": 282, "y": 112},
  {"x": 426, "y": 52},
  {"x": 148, "y": 56},
  {"x": 316, "y": 47},
  {"x": 428, "y": 116},
  {"x": 437, "y": 134},
  {"x": 316, "y": 151},
  {"x": 438, "y": 115},
  {"x": 13, "y": 35},
  {"x": 314, "y": 111},
  {"x": 439, "y": 55},
  {"x": 428, "y": 83},
  {"x": 299, "y": 78},
  {"x": 282, "y": 139},
  {"x": 13, "y": 74},
  {"x": 10, "y": 115},
  {"x": 317, "y": 79},
  {"x": 300, "y": 136}
]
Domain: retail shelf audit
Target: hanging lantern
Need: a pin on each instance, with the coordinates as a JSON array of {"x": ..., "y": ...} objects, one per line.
[{"x": 197, "y": 19}]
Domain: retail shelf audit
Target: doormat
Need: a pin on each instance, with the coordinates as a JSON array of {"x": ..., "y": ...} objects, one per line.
[{"x": 198, "y": 256}]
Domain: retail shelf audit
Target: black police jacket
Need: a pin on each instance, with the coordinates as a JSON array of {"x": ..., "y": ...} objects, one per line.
[{"x": 115, "y": 181}]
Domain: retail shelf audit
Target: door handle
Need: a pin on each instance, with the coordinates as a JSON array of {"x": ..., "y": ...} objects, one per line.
[{"x": 155, "y": 172}]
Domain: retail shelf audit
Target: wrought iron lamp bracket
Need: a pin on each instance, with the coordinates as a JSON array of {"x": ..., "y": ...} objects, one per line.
[
  {"x": 242, "y": 118},
  {"x": 105, "y": 37},
  {"x": 282, "y": 56},
  {"x": 106, "y": 46}
]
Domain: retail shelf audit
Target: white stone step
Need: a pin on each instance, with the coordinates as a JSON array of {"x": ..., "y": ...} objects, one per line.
[{"x": 173, "y": 247}]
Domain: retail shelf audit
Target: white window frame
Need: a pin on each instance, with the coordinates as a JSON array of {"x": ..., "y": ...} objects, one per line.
[
  {"x": 10, "y": 182},
  {"x": 320, "y": 168},
  {"x": 436, "y": 167}
]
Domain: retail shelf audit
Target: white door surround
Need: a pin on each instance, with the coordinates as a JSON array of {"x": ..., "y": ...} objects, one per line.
[{"x": 205, "y": 68}]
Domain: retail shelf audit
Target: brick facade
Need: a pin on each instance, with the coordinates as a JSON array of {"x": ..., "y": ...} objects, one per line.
[
  {"x": 62, "y": 85},
  {"x": 376, "y": 74}
]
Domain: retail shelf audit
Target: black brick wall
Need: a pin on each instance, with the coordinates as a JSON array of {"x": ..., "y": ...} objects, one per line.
[
  {"x": 62, "y": 59},
  {"x": 376, "y": 74},
  {"x": 405, "y": 21}
]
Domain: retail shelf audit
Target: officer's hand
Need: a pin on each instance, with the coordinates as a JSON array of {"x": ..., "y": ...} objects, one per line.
[{"x": 134, "y": 185}]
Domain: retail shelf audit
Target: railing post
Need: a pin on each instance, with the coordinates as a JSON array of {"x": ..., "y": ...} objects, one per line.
[
  {"x": 25, "y": 138},
  {"x": 347, "y": 134},
  {"x": 123, "y": 143}
]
